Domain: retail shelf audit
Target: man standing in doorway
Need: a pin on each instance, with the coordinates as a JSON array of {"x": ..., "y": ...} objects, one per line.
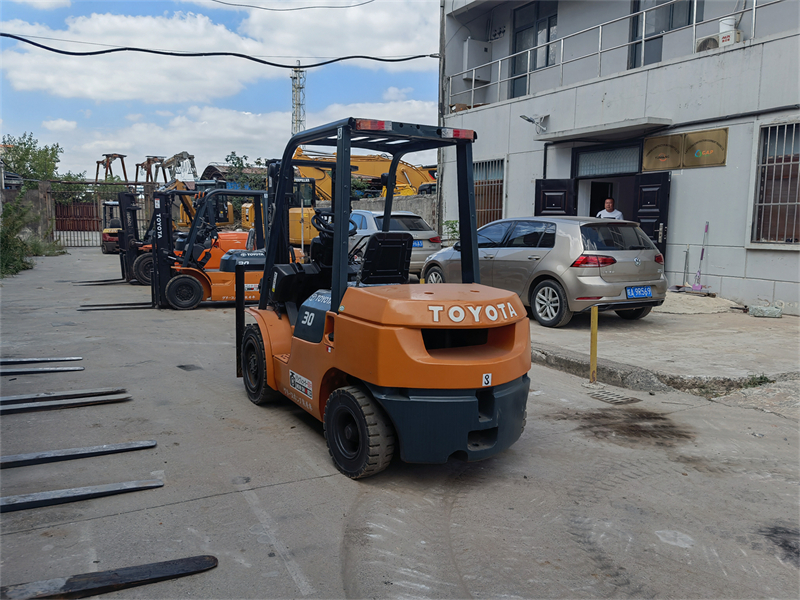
[{"x": 609, "y": 212}]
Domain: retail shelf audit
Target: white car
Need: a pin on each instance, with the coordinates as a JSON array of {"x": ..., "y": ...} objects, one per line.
[{"x": 426, "y": 240}]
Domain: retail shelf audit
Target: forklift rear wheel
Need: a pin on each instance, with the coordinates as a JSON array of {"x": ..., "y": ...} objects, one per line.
[
  {"x": 254, "y": 367},
  {"x": 359, "y": 434},
  {"x": 184, "y": 292},
  {"x": 142, "y": 268},
  {"x": 103, "y": 249}
]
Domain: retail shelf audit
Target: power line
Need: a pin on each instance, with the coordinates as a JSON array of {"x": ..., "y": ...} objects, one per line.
[
  {"x": 288, "y": 9},
  {"x": 54, "y": 39},
  {"x": 206, "y": 54}
]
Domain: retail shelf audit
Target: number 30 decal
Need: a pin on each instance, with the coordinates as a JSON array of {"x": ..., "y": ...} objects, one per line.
[
  {"x": 308, "y": 319},
  {"x": 487, "y": 379}
]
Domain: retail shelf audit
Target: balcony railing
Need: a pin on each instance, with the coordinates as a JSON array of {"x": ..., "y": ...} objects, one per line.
[{"x": 502, "y": 74}]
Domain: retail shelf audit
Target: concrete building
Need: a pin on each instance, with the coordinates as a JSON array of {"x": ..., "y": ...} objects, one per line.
[{"x": 685, "y": 111}]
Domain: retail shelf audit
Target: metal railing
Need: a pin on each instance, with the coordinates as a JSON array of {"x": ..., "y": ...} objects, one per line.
[{"x": 496, "y": 66}]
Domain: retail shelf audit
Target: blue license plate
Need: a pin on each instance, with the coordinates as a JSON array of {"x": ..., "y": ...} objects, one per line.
[
  {"x": 642, "y": 291},
  {"x": 417, "y": 244}
]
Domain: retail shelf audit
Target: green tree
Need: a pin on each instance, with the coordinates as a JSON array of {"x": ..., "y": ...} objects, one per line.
[{"x": 26, "y": 158}]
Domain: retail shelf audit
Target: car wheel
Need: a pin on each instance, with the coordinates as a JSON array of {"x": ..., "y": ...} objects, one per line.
[
  {"x": 359, "y": 434},
  {"x": 254, "y": 367},
  {"x": 434, "y": 275},
  {"x": 549, "y": 304},
  {"x": 184, "y": 292},
  {"x": 143, "y": 267},
  {"x": 635, "y": 313}
]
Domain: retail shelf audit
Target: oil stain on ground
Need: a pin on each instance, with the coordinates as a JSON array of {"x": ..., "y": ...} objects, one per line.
[
  {"x": 787, "y": 539},
  {"x": 630, "y": 426}
]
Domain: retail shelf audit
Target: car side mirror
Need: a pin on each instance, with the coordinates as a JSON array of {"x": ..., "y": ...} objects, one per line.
[{"x": 457, "y": 246}]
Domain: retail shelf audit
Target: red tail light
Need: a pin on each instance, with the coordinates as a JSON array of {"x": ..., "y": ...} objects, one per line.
[
  {"x": 660, "y": 258},
  {"x": 371, "y": 125},
  {"x": 466, "y": 134},
  {"x": 588, "y": 260},
  {"x": 435, "y": 240}
]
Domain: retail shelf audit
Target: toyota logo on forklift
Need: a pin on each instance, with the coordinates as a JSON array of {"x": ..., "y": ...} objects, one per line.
[{"x": 427, "y": 376}]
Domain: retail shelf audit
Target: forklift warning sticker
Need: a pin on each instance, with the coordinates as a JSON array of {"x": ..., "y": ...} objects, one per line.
[
  {"x": 250, "y": 287},
  {"x": 487, "y": 379},
  {"x": 301, "y": 384}
]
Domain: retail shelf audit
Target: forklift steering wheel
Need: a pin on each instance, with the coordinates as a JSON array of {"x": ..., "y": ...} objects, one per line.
[{"x": 322, "y": 222}]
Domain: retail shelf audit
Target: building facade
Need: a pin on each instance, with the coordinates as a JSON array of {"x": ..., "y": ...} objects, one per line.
[{"x": 686, "y": 112}]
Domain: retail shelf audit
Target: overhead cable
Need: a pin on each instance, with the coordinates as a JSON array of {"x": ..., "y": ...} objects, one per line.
[
  {"x": 206, "y": 54},
  {"x": 288, "y": 9}
]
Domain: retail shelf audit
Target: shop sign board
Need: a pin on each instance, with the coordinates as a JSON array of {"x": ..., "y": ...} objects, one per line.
[{"x": 707, "y": 148}]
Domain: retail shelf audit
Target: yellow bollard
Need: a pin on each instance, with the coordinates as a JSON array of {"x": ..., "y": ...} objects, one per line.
[{"x": 593, "y": 349}]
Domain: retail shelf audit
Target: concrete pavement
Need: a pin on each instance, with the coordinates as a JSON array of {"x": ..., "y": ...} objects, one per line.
[{"x": 697, "y": 344}]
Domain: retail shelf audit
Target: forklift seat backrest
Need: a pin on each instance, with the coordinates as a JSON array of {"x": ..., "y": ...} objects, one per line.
[
  {"x": 115, "y": 224},
  {"x": 387, "y": 258}
]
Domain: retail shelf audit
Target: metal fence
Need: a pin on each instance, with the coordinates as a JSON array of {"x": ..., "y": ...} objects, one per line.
[{"x": 77, "y": 210}]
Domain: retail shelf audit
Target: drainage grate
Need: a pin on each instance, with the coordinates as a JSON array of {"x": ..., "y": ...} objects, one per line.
[{"x": 613, "y": 398}]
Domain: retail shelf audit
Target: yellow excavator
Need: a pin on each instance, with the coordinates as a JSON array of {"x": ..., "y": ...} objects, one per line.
[{"x": 369, "y": 167}]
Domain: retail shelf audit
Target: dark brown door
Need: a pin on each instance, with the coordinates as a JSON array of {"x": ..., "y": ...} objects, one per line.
[
  {"x": 555, "y": 197},
  {"x": 651, "y": 206}
]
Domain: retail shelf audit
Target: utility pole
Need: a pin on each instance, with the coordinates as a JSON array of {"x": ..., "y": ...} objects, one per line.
[{"x": 298, "y": 99}]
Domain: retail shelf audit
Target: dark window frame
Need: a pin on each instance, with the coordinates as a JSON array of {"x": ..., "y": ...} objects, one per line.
[{"x": 653, "y": 41}]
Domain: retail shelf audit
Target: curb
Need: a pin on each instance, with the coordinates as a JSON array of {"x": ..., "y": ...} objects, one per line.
[{"x": 639, "y": 378}]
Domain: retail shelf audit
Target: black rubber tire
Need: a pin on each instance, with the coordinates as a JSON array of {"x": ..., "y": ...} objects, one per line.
[
  {"x": 360, "y": 436},
  {"x": 103, "y": 249},
  {"x": 184, "y": 292},
  {"x": 436, "y": 273},
  {"x": 254, "y": 368},
  {"x": 549, "y": 304},
  {"x": 635, "y": 314},
  {"x": 143, "y": 268}
]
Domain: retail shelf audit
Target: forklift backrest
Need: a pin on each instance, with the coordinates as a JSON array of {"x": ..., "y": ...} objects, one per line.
[{"x": 387, "y": 258}]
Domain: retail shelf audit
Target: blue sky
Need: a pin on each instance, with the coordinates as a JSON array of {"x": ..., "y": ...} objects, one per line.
[{"x": 140, "y": 105}]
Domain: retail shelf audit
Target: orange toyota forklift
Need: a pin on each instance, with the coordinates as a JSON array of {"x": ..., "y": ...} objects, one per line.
[
  {"x": 435, "y": 371},
  {"x": 182, "y": 276}
]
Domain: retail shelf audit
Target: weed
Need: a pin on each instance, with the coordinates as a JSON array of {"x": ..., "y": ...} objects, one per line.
[
  {"x": 757, "y": 380},
  {"x": 14, "y": 250}
]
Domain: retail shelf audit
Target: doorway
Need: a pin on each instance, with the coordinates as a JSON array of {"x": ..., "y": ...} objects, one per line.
[{"x": 592, "y": 194}]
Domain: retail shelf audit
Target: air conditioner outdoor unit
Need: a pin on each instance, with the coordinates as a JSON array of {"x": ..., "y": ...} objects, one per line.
[{"x": 719, "y": 40}]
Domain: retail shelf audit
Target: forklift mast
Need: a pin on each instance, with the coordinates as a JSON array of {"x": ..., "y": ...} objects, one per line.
[{"x": 393, "y": 138}]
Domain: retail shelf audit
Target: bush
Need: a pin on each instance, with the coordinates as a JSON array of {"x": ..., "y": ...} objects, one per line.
[{"x": 14, "y": 250}]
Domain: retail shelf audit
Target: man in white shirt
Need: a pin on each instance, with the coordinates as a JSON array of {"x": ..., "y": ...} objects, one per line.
[{"x": 609, "y": 212}]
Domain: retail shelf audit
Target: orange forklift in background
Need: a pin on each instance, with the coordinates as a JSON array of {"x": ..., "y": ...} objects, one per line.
[
  {"x": 433, "y": 371},
  {"x": 182, "y": 273}
]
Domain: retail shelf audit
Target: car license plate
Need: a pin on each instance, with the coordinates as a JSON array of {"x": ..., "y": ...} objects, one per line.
[
  {"x": 417, "y": 244},
  {"x": 642, "y": 291}
]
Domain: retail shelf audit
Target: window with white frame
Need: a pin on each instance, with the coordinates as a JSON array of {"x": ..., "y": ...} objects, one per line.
[{"x": 776, "y": 218}]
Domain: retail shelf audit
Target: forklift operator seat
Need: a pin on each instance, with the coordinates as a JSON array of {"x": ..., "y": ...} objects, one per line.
[{"x": 387, "y": 258}]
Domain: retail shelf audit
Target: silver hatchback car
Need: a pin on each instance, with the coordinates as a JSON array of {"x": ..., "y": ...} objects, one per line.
[
  {"x": 426, "y": 240},
  {"x": 563, "y": 265}
]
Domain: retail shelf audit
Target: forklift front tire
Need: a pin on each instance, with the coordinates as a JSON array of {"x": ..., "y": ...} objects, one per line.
[
  {"x": 254, "y": 368},
  {"x": 184, "y": 292},
  {"x": 360, "y": 436},
  {"x": 142, "y": 268}
]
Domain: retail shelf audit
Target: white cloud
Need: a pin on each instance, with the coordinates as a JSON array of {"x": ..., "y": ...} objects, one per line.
[
  {"x": 135, "y": 117},
  {"x": 393, "y": 93},
  {"x": 45, "y": 4},
  {"x": 165, "y": 113},
  {"x": 60, "y": 125},
  {"x": 382, "y": 28},
  {"x": 212, "y": 133},
  {"x": 86, "y": 112}
]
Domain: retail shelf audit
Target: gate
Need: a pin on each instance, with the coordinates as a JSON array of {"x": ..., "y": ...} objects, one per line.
[{"x": 78, "y": 210}]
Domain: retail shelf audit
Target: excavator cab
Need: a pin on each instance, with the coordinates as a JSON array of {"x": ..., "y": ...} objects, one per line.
[{"x": 430, "y": 372}]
